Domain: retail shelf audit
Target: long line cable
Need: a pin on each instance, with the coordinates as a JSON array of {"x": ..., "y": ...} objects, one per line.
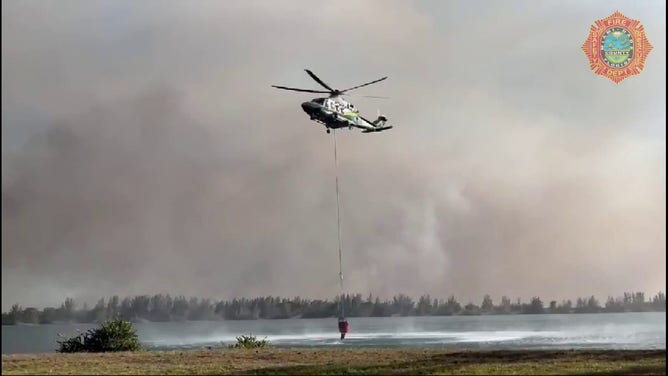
[{"x": 338, "y": 221}]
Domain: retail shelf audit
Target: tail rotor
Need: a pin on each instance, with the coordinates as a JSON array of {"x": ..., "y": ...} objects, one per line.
[{"x": 380, "y": 120}]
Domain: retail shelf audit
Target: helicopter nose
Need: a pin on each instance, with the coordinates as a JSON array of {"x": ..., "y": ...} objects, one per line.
[{"x": 308, "y": 107}]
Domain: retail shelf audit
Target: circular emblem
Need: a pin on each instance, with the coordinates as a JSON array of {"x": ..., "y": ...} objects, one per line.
[{"x": 617, "y": 47}]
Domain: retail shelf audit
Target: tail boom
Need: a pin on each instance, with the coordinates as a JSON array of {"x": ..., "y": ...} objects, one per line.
[{"x": 377, "y": 125}]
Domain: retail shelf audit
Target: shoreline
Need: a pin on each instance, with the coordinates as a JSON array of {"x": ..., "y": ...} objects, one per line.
[
  {"x": 394, "y": 316},
  {"x": 347, "y": 360}
]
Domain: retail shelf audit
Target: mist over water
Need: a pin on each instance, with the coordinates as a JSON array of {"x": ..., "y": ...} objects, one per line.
[{"x": 568, "y": 331}]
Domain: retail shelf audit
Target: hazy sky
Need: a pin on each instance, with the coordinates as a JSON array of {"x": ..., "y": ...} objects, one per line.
[{"x": 144, "y": 151}]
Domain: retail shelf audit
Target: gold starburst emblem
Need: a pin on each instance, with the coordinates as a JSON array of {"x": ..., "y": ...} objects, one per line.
[{"x": 617, "y": 47}]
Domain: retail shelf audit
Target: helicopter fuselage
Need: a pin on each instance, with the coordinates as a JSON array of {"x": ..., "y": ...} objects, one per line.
[{"x": 333, "y": 113}]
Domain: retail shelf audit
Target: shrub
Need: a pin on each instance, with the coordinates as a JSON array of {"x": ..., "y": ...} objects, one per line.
[
  {"x": 114, "y": 335},
  {"x": 72, "y": 345},
  {"x": 249, "y": 342}
]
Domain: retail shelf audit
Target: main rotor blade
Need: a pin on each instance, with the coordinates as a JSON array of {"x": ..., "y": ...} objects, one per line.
[
  {"x": 368, "y": 83},
  {"x": 365, "y": 96},
  {"x": 302, "y": 90},
  {"x": 313, "y": 76}
]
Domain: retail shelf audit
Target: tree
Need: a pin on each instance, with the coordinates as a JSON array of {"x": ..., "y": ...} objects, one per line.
[
  {"x": 592, "y": 305},
  {"x": 402, "y": 304},
  {"x": 140, "y": 306},
  {"x": 659, "y": 302},
  {"x": 48, "y": 316},
  {"x": 161, "y": 306},
  {"x": 14, "y": 315},
  {"x": 30, "y": 315},
  {"x": 366, "y": 307},
  {"x": 565, "y": 307},
  {"x": 286, "y": 309},
  {"x": 164, "y": 308},
  {"x": 202, "y": 310},
  {"x": 112, "y": 307},
  {"x": 487, "y": 305},
  {"x": 68, "y": 308},
  {"x": 534, "y": 307},
  {"x": 125, "y": 311},
  {"x": 471, "y": 309},
  {"x": 423, "y": 306},
  {"x": 355, "y": 305},
  {"x": 614, "y": 305},
  {"x": 450, "y": 307},
  {"x": 638, "y": 301},
  {"x": 381, "y": 309},
  {"x": 505, "y": 306},
  {"x": 180, "y": 308},
  {"x": 98, "y": 313}
]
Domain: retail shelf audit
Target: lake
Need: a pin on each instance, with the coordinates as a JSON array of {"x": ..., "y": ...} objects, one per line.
[{"x": 646, "y": 330}]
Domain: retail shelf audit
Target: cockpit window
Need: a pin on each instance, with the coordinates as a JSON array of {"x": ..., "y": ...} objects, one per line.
[{"x": 318, "y": 100}]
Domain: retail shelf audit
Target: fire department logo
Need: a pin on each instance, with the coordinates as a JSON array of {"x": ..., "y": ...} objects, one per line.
[{"x": 617, "y": 47}]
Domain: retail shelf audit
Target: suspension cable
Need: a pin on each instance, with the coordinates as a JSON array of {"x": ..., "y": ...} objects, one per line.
[{"x": 338, "y": 222}]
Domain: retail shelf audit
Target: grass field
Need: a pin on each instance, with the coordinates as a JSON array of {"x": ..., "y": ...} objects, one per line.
[{"x": 273, "y": 361}]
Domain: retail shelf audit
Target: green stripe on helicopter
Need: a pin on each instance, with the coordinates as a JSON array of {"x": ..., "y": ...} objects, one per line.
[{"x": 350, "y": 115}]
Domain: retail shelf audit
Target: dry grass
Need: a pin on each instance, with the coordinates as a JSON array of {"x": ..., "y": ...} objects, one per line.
[{"x": 343, "y": 361}]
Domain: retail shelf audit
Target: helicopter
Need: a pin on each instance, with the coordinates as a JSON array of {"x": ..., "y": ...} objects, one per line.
[{"x": 335, "y": 112}]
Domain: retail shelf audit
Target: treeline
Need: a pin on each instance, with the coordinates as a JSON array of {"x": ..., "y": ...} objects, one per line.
[{"x": 162, "y": 308}]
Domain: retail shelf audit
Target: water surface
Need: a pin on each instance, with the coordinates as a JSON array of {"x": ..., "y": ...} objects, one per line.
[{"x": 646, "y": 330}]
